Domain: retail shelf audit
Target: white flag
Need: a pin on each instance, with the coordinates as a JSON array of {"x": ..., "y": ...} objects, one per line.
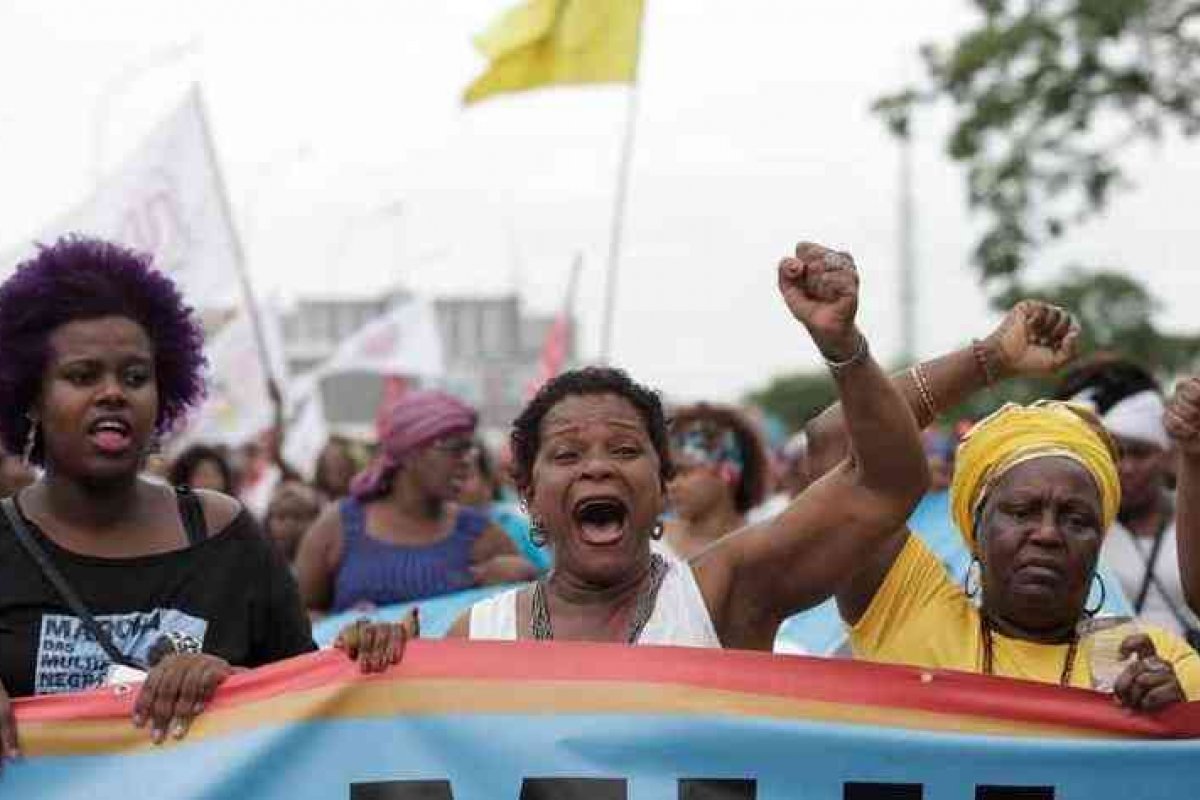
[
  {"x": 402, "y": 341},
  {"x": 307, "y": 434},
  {"x": 238, "y": 407},
  {"x": 166, "y": 199}
]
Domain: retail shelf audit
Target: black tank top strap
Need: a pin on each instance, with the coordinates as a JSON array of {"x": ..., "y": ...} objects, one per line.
[{"x": 191, "y": 511}]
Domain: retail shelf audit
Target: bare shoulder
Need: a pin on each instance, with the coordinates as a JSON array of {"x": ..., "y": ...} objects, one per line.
[
  {"x": 328, "y": 525},
  {"x": 493, "y": 541}
]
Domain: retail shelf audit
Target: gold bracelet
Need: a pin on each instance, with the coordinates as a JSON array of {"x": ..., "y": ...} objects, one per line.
[{"x": 926, "y": 394}]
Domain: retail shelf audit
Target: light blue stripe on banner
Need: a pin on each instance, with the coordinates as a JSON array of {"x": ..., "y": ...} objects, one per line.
[
  {"x": 486, "y": 758},
  {"x": 437, "y": 614}
]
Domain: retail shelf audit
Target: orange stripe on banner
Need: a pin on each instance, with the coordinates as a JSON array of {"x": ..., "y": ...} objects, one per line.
[
  {"x": 529, "y": 678},
  {"x": 425, "y": 697}
]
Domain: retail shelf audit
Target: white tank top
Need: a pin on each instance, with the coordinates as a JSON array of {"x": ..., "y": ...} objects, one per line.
[{"x": 680, "y": 617}]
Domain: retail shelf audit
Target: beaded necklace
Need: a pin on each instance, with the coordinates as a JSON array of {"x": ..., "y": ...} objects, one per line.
[
  {"x": 539, "y": 616},
  {"x": 985, "y": 630}
]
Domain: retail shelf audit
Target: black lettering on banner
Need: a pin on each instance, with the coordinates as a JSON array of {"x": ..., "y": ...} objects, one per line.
[
  {"x": 402, "y": 790},
  {"x": 718, "y": 789},
  {"x": 60, "y": 628},
  {"x": 53, "y": 662},
  {"x": 573, "y": 789},
  {"x": 1014, "y": 793},
  {"x": 882, "y": 791}
]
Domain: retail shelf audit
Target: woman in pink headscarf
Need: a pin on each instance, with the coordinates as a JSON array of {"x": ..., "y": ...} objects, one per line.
[{"x": 401, "y": 535}]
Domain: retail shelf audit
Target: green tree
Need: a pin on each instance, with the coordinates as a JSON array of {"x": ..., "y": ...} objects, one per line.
[
  {"x": 1047, "y": 95},
  {"x": 795, "y": 397}
]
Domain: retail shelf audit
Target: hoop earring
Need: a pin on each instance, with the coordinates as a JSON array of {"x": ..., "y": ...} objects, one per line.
[
  {"x": 30, "y": 441},
  {"x": 974, "y": 571},
  {"x": 657, "y": 532},
  {"x": 1091, "y": 612}
]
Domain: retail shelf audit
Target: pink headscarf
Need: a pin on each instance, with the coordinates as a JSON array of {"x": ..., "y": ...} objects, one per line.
[{"x": 414, "y": 421}]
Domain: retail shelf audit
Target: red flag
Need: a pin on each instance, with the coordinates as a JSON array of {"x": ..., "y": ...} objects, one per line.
[{"x": 558, "y": 338}]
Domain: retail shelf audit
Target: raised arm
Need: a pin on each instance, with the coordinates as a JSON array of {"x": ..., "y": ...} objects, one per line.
[
  {"x": 1034, "y": 338},
  {"x": 768, "y": 572},
  {"x": 1182, "y": 420}
]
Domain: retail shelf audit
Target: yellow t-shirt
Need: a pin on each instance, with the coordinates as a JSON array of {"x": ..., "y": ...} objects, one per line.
[{"x": 921, "y": 618}]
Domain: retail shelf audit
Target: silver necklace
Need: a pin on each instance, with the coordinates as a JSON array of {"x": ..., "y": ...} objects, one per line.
[{"x": 539, "y": 616}]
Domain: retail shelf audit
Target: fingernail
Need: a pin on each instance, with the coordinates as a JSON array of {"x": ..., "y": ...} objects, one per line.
[
  {"x": 196, "y": 709},
  {"x": 179, "y": 730},
  {"x": 157, "y": 735}
]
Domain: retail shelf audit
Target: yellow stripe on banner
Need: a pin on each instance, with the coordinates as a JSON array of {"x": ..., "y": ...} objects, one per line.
[{"x": 373, "y": 699}]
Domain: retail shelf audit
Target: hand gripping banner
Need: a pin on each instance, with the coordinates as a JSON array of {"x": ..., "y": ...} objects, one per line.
[{"x": 500, "y": 721}]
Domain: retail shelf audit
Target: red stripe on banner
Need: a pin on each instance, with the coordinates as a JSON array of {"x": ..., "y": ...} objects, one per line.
[{"x": 862, "y": 685}]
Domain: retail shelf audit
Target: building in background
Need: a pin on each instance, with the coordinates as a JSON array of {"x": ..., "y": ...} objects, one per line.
[{"x": 491, "y": 350}]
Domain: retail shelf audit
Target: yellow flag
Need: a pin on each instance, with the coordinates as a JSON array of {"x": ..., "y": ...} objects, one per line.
[{"x": 544, "y": 42}]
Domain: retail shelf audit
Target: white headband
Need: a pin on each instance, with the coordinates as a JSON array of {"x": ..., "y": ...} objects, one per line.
[{"x": 1140, "y": 417}]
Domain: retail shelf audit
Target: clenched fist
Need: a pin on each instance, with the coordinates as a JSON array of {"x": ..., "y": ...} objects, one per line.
[
  {"x": 1182, "y": 417},
  {"x": 1035, "y": 338},
  {"x": 820, "y": 287}
]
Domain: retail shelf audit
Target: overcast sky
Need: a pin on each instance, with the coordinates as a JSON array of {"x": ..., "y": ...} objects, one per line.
[{"x": 753, "y": 133}]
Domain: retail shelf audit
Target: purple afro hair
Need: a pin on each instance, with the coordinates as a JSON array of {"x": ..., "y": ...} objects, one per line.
[{"x": 79, "y": 278}]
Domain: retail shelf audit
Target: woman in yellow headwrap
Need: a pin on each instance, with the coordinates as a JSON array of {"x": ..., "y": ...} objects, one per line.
[{"x": 1034, "y": 489}]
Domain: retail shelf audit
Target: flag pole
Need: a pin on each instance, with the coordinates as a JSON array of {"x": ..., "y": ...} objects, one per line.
[
  {"x": 256, "y": 325},
  {"x": 618, "y": 217},
  {"x": 908, "y": 261},
  {"x": 568, "y": 306}
]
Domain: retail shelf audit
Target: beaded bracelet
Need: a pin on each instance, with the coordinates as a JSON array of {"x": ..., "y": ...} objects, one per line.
[{"x": 981, "y": 359}]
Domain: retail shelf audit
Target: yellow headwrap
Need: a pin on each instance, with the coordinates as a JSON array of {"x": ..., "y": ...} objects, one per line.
[{"x": 1016, "y": 434}]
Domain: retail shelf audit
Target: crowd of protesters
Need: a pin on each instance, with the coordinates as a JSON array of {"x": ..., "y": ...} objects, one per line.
[{"x": 612, "y": 517}]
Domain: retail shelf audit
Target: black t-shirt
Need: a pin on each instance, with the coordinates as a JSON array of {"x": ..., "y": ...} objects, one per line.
[{"x": 230, "y": 591}]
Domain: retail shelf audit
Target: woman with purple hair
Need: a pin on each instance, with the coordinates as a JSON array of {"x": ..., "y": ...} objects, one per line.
[
  {"x": 401, "y": 534},
  {"x": 102, "y": 570}
]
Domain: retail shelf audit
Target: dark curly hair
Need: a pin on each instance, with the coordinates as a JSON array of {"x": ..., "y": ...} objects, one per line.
[
  {"x": 526, "y": 436},
  {"x": 1106, "y": 379},
  {"x": 487, "y": 467},
  {"x": 751, "y": 487},
  {"x": 185, "y": 465},
  {"x": 81, "y": 278}
]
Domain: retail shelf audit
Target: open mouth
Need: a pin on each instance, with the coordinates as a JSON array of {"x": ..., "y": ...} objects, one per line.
[
  {"x": 110, "y": 435},
  {"x": 601, "y": 520}
]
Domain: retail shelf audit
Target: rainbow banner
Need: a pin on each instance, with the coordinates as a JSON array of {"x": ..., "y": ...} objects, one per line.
[{"x": 528, "y": 721}]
